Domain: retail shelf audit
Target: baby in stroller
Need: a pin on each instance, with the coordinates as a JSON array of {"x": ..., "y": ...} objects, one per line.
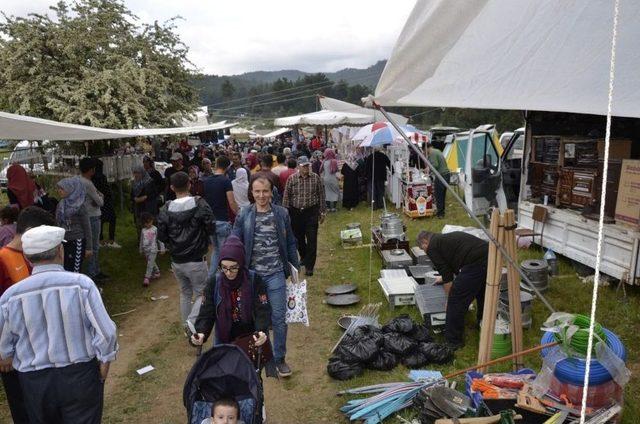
[{"x": 224, "y": 411}]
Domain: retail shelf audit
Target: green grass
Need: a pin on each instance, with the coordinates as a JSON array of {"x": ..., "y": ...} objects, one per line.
[{"x": 566, "y": 293}]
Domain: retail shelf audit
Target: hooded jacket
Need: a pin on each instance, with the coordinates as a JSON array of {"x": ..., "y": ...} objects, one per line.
[{"x": 184, "y": 226}]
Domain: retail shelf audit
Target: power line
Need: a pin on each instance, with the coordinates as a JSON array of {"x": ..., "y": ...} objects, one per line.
[{"x": 270, "y": 102}]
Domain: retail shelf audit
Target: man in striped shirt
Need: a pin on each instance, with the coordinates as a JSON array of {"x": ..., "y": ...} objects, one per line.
[
  {"x": 55, "y": 331},
  {"x": 304, "y": 197}
]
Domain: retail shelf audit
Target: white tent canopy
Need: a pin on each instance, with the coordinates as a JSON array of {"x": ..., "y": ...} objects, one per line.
[
  {"x": 515, "y": 54},
  {"x": 19, "y": 127},
  {"x": 328, "y": 103},
  {"x": 325, "y": 117},
  {"x": 276, "y": 133}
]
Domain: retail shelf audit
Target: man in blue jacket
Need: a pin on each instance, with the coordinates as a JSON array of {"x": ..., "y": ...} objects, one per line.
[{"x": 270, "y": 246}]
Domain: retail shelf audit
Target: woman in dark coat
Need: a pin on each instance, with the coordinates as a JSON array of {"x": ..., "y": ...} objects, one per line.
[
  {"x": 108, "y": 215},
  {"x": 235, "y": 300},
  {"x": 351, "y": 185},
  {"x": 144, "y": 195}
]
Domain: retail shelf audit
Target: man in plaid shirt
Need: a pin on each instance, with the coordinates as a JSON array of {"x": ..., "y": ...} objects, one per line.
[{"x": 304, "y": 197}]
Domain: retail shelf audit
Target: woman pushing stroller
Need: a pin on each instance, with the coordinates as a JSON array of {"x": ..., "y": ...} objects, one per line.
[{"x": 235, "y": 301}]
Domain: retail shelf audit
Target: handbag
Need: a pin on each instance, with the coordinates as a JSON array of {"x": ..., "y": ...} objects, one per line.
[
  {"x": 259, "y": 355},
  {"x": 297, "y": 303}
]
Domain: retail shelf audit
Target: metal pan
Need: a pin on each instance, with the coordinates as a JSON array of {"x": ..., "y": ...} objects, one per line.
[
  {"x": 342, "y": 300},
  {"x": 340, "y": 289}
]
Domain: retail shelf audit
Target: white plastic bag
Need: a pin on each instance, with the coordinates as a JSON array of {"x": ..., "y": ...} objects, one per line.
[{"x": 297, "y": 303}]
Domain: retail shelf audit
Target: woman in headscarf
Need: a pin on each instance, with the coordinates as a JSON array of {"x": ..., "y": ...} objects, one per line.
[
  {"x": 108, "y": 212},
  {"x": 328, "y": 172},
  {"x": 73, "y": 217},
  {"x": 235, "y": 300},
  {"x": 252, "y": 162},
  {"x": 241, "y": 188},
  {"x": 351, "y": 186},
  {"x": 144, "y": 195},
  {"x": 20, "y": 187},
  {"x": 196, "y": 183},
  {"x": 316, "y": 162}
]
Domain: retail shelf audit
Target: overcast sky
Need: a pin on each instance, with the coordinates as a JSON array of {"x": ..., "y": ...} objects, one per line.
[{"x": 236, "y": 36}]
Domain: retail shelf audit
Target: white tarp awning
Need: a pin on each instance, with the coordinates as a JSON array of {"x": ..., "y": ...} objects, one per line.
[
  {"x": 545, "y": 55},
  {"x": 276, "y": 133},
  {"x": 19, "y": 127},
  {"x": 325, "y": 117},
  {"x": 329, "y": 103}
]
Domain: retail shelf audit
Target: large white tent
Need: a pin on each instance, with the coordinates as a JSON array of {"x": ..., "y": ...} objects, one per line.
[
  {"x": 325, "y": 117},
  {"x": 19, "y": 127},
  {"x": 515, "y": 54},
  {"x": 328, "y": 103}
]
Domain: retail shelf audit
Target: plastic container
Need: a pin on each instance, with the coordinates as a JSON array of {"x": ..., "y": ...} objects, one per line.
[
  {"x": 501, "y": 346},
  {"x": 597, "y": 396},
  {"x": 552, "y": 261}
]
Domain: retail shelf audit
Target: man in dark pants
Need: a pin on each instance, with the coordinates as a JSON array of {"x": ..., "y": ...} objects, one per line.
[
  {"x": 436, "y": 158},
  {"x": 304, "y": 197},
  {"x": 62, "y": 370},
  {"x": 376, "y": 165},
  {"x": 461, "y": 260}
]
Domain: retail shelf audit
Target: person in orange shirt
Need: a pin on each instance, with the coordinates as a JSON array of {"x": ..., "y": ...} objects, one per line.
[{"x": 14, "y": 268}]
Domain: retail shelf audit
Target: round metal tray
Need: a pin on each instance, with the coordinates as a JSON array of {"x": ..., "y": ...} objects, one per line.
[
  {"x": 342, "y": 299},
  {"x": 340, "y": 289}
]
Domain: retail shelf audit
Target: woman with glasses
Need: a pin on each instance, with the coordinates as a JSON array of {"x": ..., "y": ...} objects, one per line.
[{"x": 235, "y": 301}]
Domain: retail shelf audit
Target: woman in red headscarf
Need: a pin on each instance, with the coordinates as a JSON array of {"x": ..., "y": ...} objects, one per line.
[{"x": 20, "y": 186}]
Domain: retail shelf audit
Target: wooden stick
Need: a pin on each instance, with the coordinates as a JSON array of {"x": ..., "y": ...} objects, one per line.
[
  {"x": 515, "y": 308},
  {"x": 486, "y": 311},
  {"x": 500, "y": 360}
]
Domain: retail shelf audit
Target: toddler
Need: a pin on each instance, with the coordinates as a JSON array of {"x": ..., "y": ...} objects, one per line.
[
  {"x": 149, "y": 245},
  {"x": 224, "y": 411}
]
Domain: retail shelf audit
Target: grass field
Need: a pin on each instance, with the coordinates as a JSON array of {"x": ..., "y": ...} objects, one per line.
[{"x": 337, "y": 265}]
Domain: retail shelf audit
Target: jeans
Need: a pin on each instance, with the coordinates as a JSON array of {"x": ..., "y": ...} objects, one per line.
[
  {"x": 68, "y": 395},
  {"x": 440, "y": 191},
  {"x": 469, "y": 284},
  {"x": 152, "y": 266},
  {"x": 193, "y": 278},
  {"x": 93, "y": 267},
  {"x": 223, "y": 229},
  {"x": 277, "y": 293}
]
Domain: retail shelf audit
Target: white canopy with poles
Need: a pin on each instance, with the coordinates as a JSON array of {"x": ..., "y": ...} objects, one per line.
[
  {"x": 328, "y": 103},
  {"x": 20, "y": 127},
  {"x": 277, "y": 132},
  {"x": 325, "y": 117},
  {"x": 543, "y": 55}
]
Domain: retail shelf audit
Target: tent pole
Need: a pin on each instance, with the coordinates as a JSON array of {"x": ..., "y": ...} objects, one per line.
[{"x": 435, "y": 172}]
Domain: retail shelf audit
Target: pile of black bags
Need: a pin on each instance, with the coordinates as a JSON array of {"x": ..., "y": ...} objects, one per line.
[{"x": 401, "y": 340}]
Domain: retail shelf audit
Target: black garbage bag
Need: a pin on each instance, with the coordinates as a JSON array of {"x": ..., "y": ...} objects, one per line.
[
  {"x": 360, "y": 346},
  {"x": 340, "y": 370},
  {"x": 383, "y": 361},
  {"x": 436, "y": 353},
  {"x": 414, "y": 359},
  {"x": 369, "y": 332},
  {"x": 400, "y": 324},
  {"x": 399, "y": 344},
  {"x": 421, "y": 333}
]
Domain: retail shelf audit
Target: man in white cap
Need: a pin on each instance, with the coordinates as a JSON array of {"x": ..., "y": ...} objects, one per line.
[{"x": 55, "y": 331}]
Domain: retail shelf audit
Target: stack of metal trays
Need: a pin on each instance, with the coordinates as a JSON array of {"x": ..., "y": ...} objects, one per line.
[
  {"x": 396, "y": 258},
  {"x": 419, "y": 272},
  {"x": 420, "y": 257},
  {"x": 399, "y": 290},
  {"x": 431, "y": 299}
]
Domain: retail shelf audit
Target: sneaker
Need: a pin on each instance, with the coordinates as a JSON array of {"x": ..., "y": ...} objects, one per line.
[
  {"x": 283, "y": 369},
  {"x": 155, "y": 276},
  {"x": 145, "y": 282},
  {"x": 114, "y": 245}
]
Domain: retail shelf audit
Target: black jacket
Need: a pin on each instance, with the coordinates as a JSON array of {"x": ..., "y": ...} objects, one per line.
[
  {"x": 185, "y": 231},
  {"x": 209, "y": 309},
  {"x": 452, "y": 251}
]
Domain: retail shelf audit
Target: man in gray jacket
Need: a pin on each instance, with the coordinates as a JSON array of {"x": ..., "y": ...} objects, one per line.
[{"x": 93, "y": 202}]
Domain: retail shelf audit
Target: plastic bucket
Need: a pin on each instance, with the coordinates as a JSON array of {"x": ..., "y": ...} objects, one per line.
[{"x": 501, "y": 345}]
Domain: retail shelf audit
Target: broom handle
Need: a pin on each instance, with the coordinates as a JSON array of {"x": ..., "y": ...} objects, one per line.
[{"x": 503, "y": 359}]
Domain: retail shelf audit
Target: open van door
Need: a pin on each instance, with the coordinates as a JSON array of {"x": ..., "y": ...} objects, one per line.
[{"x": 482, "y": 176}]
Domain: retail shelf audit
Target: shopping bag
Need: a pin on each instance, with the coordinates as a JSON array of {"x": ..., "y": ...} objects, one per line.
[{"x": 297, "y": 303}]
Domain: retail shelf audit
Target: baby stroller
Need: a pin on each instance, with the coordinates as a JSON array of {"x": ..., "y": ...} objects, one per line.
[{"x": 224, "y": 371}]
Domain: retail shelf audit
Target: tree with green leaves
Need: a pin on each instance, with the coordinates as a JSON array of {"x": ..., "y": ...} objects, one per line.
[
  {"x": 92, "y": 62},
  {"x": 227, "y": 89}
]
